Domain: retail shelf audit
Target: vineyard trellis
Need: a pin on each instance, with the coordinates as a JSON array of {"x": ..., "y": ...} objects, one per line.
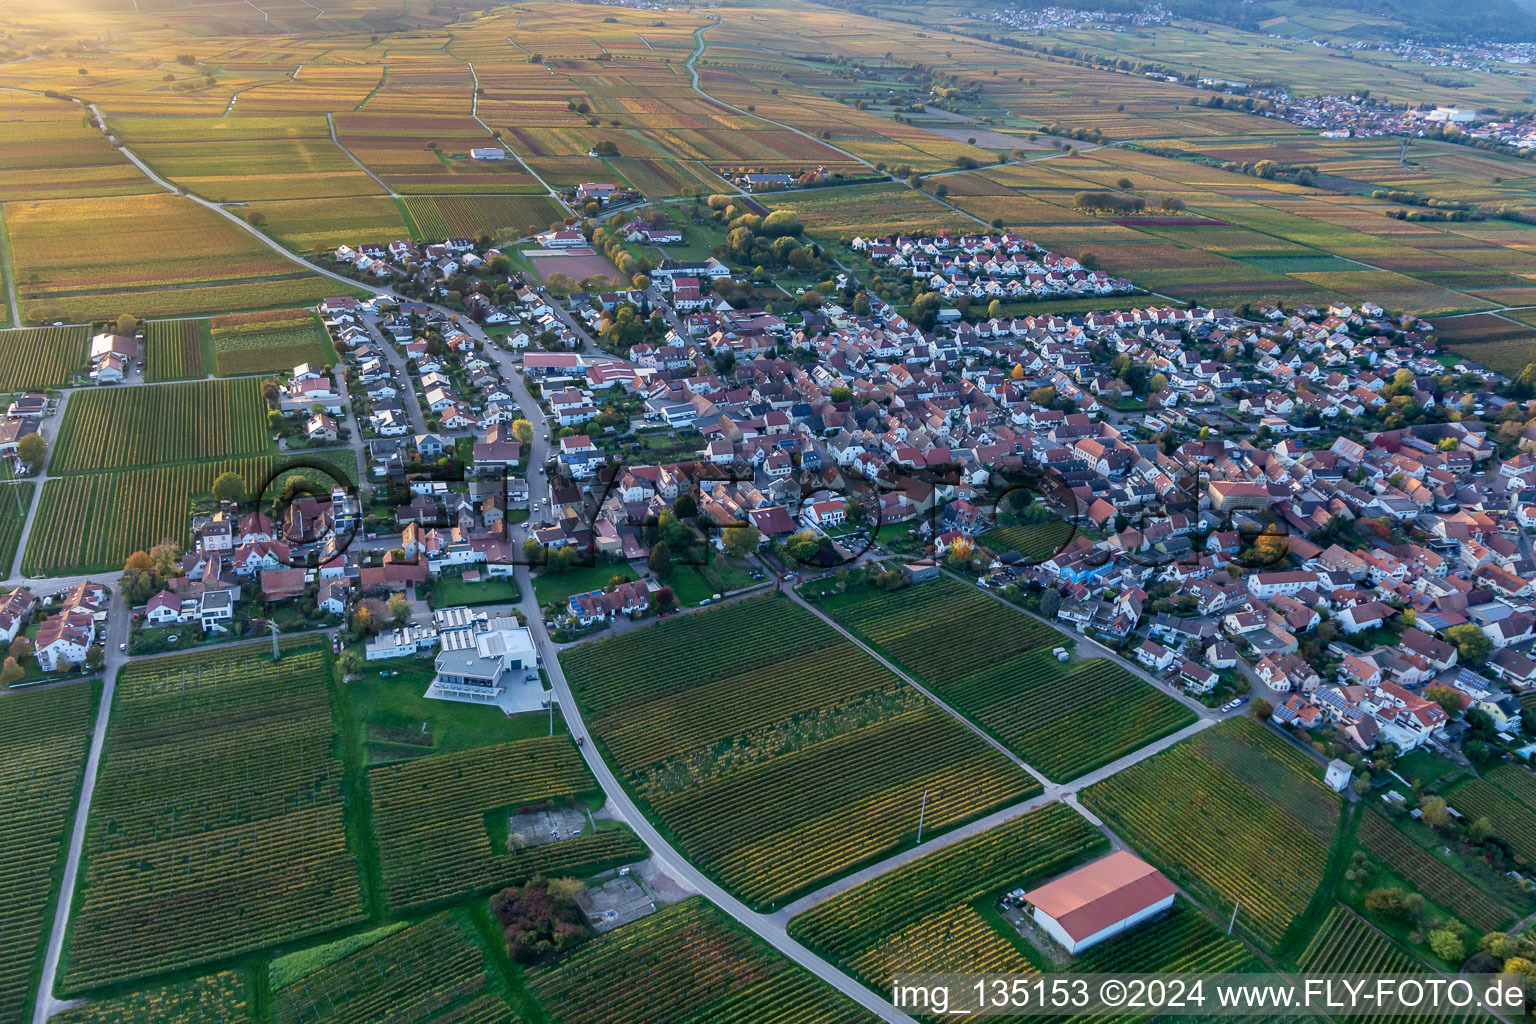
[
  {"x": 91, "y": 522},
  {"x": 433, "y": 972},
  {"x": 42, "y": 357},
  {"x": 699, "y": 966},
  {"x": 231, "y": 843},
  {"x": 1199, "y": 812},
  {"x": 43, "y": 738},
  {"x": 1062, "y": 720},
  {"x": 779, "y": 753},
  {"x": 1430, "y": 876},
  {"x": 131, "y": 427},
  {"x": 430, "y": 819},
  {"x": 173, "y": 350}
]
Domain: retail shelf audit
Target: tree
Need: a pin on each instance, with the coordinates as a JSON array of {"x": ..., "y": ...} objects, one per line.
[
  {"x": 1434, "y": 812},
  {"x": 741, "y": 541},
  {"x": 12, "y": 672},
  {"x": 1470, "y": 641},
  {"x": 1446, "y": 697},
  {"x": 1448, "y": 945},
  {"x": 660, "y": 562},
  {"x": 533, "y": 551},
  {"x": 522, "y": 430},
  {"x": 663, "y": 598},
  {"x": 95, "y": 657},
  {"x": 400, "y": 609},
  {"x": 127, "y": 324},
  {"x": 1386, "y": 902},
  {"x": 33, "y": 450},
  {"x": 229, "y": 486},
  {"x": 21, "y": 648},
  {"x": 686, "y": 506},
  {"x": 1043, "y": 396},
  {"x": 1050, "y": 602},
  {"x": 1261, "y": 709},
  {"x": 365, "y": 621},
  {"x": 1157, "y": 383}
]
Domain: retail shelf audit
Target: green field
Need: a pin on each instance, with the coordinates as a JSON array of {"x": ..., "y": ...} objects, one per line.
[
  {"x": 431, "y": 819},
  {"x": 123, "y": 428},
  {"x": 778, "y": 753},
  {"x": 436, "y": 971},
  {"x": 698, "y": 964},
  {"x": 42, "y": 357},
  {"x": 174, "y": 350},
  {"x": 268, "y": 342},
  {"x": 551, "y": 587},
  {"x": 43, "y": 739},
  {"x": 1236, "y": 813},
  {"x": 91, "y": 522},
  {"x": 240, "y": 842},
  {"x": 1064, "y": 719}
]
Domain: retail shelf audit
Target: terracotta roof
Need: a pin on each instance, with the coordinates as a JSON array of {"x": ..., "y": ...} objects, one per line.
[{"x": 1086, "y": 901}]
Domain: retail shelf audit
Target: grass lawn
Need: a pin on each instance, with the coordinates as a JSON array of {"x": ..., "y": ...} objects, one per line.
[
  {"x": 451, "y": 590},
  {"x": 389, "y": 714},
  {"x": 689, "y": 585},
  {"x": 561, "y": 585}
]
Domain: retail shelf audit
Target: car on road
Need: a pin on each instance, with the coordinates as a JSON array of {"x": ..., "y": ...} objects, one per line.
[{"x": 122, "y": 647}]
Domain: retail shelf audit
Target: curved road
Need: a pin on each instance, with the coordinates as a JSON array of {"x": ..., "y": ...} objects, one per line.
[{"x": 771, "y": 929}]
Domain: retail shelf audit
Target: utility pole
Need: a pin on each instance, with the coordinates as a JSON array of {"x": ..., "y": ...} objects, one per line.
[
  {"x": 920, "y": 816},
  {"x": 272, "y": 628},
  {"x": 1234, "y": 916}
]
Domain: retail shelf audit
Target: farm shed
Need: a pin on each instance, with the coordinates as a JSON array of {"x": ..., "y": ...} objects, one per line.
[{"x": 1100, "y": 899}]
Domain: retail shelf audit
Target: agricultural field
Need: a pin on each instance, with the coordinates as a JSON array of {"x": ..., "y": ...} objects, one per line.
[
  {"x": 42, "y": 357},
  {"x": 173, "y": 350},
  {"x": 1495, "y": 340},
  {"x": 433, "y": 972},
  {"x": 926, "y": 915},
  {"x": 1235, "y": 813},
  {"x": 47, "y": 152},
  {"x": 1064, "y": 719},
  {"x": 431, "y": 819},
  {"x": 836, "y": 214},
  {"x": 43, "y": 739},
  {"x": 91, "y": 522},
  {"x": 269, "y": 341},
  {"x": 269, "y": 158},
  {"x": 318, "y": 226},
  {"x": 1245, "y": 239},
  {"x": 502, "y": 217},
  {"x": 1035, "y": 542},
  {"x": 217, "y": 999},
  {"x": 1347, "y": 944},
  {"x": 15, "y": 501},
  {"x": 1507, "y": 799},
  {"x": 773, "y": 705},
  {"x": 234, "y": 843},
  {"x": 1431, "y": 876},
  {"x": 698, "y": 964},
  {"x": 121, "y": 428},
  {"x": 151, "y": 256}
]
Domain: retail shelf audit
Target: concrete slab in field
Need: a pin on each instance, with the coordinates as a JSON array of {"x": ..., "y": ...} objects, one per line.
[{"x": 615, "y": 902}]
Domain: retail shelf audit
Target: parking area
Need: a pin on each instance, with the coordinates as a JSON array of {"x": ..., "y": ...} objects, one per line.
[{"x": 543, "y": 827}]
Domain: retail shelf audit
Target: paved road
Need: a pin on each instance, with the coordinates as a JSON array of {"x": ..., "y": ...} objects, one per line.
[
  {"x": 770, "y": 929},
  {"x": 116, "y": 633},
  {"x": 1065, "y": 792},
  {"x": 331, "y": 123}
]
